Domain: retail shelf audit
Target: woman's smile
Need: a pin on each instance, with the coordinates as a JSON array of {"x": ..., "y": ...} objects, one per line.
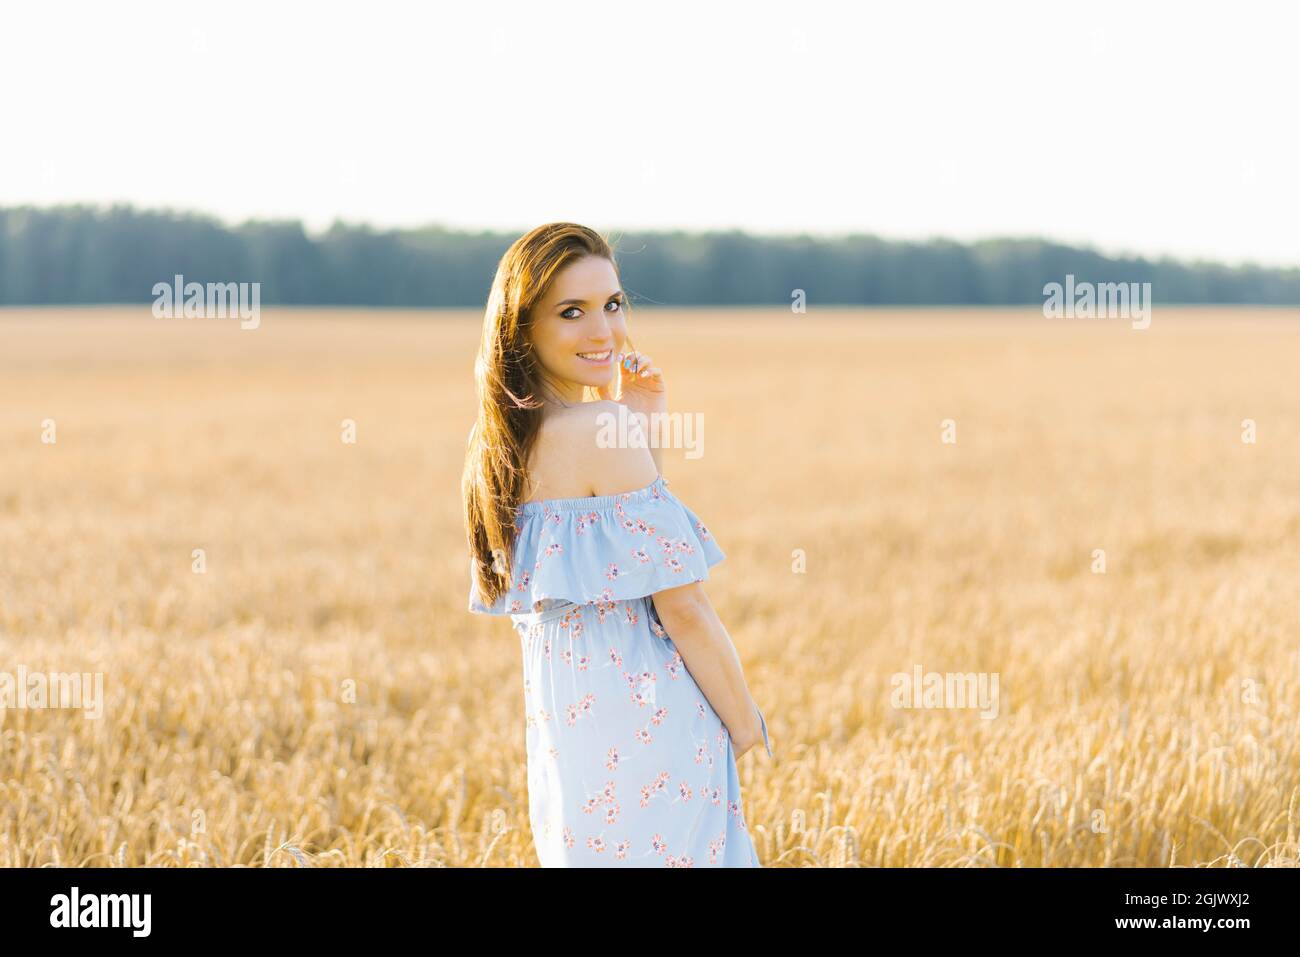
[{"x": 597, "y": 358}]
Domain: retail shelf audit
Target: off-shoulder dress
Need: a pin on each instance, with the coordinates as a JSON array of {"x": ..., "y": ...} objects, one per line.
[{"x": 628, "y": 764}]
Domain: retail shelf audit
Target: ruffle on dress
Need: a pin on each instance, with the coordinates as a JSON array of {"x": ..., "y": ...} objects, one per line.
[{"x": 603, "y": 548}]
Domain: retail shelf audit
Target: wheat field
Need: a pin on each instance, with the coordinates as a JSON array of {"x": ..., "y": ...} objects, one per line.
[{"x": 291, "y": 676}]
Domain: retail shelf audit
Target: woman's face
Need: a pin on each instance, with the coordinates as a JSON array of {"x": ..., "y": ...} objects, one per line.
[{"x": 581, "y": 316}]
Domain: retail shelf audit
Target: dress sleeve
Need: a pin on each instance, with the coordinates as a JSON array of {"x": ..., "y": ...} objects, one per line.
[
  {"x": 630, "y": 550},
  {"x": 634, "y": 546}
]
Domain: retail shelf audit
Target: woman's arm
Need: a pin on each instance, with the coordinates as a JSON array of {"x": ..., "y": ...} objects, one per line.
[
  {"x": 643, "y": 390},
  {"x": 711, "y": 658},
  {"x": 685, "y": 611},
  {"x": 658, "y": 456}
]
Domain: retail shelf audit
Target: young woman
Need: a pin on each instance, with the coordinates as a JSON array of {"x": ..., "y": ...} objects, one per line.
[{"x": 636, "y": 705}]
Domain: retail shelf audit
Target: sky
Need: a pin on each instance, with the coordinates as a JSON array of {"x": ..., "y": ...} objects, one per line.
[{"x": 1136, "y": 127}]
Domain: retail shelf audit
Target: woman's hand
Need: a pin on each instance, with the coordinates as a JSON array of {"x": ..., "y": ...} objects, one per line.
[
  {"x": 741, "y": 750},
  {"x": 641, "y": 384}
]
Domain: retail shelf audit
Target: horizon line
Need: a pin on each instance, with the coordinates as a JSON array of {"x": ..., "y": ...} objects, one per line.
[{"x": 611, "y": 232}]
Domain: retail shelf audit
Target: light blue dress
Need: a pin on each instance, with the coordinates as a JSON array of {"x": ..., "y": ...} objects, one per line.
[{"x": 628, "y": 764}]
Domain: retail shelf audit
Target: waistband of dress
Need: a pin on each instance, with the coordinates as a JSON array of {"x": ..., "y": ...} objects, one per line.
[
  {"x": 537, "y": 617},
  {"x": 557, "y": 611}
]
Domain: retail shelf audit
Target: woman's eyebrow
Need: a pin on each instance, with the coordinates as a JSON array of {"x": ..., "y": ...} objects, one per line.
[{"x": 583, "y": 302}]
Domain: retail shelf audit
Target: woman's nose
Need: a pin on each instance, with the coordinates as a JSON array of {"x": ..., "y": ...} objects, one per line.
[{"x": 602, "y": 332}]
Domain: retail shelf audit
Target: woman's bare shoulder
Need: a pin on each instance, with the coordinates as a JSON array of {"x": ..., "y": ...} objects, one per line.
[{"x": 573, "y": 457}]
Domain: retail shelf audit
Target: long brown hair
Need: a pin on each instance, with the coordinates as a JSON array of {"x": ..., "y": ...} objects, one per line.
[{"x": 507, "y": 377}]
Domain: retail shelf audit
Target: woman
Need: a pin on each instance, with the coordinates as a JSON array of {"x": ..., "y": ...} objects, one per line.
[{"x": 636, "y": 706}]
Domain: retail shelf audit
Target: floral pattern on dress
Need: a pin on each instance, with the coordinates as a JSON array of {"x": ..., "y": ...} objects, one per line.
[{"x": 628, "y": 764}]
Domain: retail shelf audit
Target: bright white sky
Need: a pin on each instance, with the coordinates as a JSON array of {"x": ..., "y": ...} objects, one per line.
[{"x": 1142, "y": 127}]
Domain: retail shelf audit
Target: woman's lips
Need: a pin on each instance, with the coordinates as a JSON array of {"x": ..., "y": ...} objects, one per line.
[{"x": 607, "y": 353}]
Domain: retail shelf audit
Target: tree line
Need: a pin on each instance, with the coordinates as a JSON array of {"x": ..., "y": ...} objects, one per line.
[{"x": 89, "y": 254}]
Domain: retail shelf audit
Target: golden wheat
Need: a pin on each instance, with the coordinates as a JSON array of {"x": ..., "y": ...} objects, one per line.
[{"x": 319, "y": 694}]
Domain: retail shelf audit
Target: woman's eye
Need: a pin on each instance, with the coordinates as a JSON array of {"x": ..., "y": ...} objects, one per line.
[
  {"x": 616, "y": 303},
  {"x": 565, "y": 314}
]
